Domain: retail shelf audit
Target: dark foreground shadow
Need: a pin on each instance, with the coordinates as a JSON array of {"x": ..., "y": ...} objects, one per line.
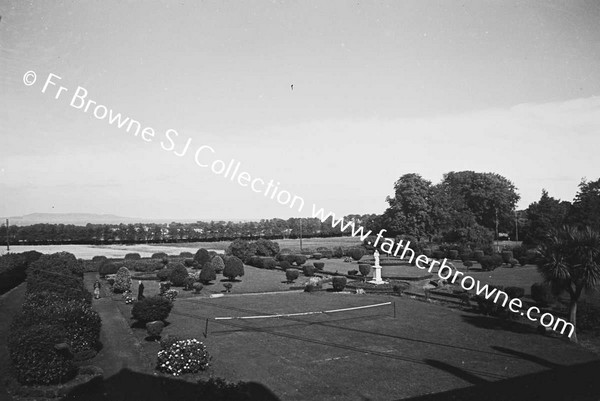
[
  {"x": 573, "y": 383},
  {"x": 129, "y": 385}
]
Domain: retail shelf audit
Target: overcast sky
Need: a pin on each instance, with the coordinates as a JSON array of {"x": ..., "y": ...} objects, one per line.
[{"x": 380, "y": 89}]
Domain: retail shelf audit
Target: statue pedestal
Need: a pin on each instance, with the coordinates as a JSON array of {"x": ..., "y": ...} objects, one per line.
[{"x": 377, "y": 275}]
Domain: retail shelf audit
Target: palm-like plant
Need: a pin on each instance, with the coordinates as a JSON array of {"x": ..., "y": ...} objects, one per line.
[{"x": 570, "y": 261}]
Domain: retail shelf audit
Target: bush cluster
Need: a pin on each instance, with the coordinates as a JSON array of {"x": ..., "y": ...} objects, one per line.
[
  {"x": 489, "y": 263},
  {"x": 319, "y": 265},
  {"x": 183, "y": 356},
  {"x": 150, "y": 309},
  {"x": 263, "y": 262},
  {"x": 145, "y": 266},
  {"x": 59, "y": 273},
  {"x": 13, "y": 268}
]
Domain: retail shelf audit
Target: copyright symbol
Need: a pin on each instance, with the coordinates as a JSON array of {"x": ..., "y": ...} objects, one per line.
[{"x": 29, "y": 78}]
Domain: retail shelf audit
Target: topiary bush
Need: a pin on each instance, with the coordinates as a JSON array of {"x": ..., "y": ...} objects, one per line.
[
  {"x": 364, "y": 269},
  {"x": 453, "y": 254},
  {"x": 308, "y": 270},
  {"x": 202, "y": 257},
  {"x": 133, "y": 256},
  {"x": 197, "y": 287},
  {"x": 144, "y": 266},
  {"x": 356, "y": 253},
  {"x": 190, "y": 262},
  {"x": 122, "y": 280},
  {"x": 219, "y": 265},
  {"x": 339, "y": 283},
  {"x": 319, "y": 265},
  {"x": 478, "y": 254},
  {"x": 299, "y": 260},
  {"x": 265, "y": 247},
  {"x": 515, "y": 292},
  {"x": 317, "y": 256},
  {"x": 285, "y": 265},
  {"x": 207, "y": 274},
  {"x": 506, "y": 256},
  {"x": 291, "y": 275},
  {"x": 179, "y": 275},
  {"x": 268, "y": 263},
  {"x": 439, "y": 254},
  {"x": 164, "y": 274},
  {"x": 241, "y": 249},
  {"x": 34, "y": 358},
  {"x": 338, "y": 252},
  {"x": 151, "y": 309},
  {"x": 489, "y": 263},
  {"x": 542, "y": 294},
  {"x": 183, "y": 356},
  {"x": 352, "y": 272},
  {"x": 513, "y": 262},
  {"x": 187, "y": 255},
  {"x": 160, "y": 255},
  {"x": 13, "y": 268},
  {"x": 234, "y": 268}
]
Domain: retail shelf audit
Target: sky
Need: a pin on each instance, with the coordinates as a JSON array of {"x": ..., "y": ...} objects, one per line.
[{"x": 380, "y": 89}]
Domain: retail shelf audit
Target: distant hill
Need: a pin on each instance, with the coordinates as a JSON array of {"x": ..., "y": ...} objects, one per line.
[{"x": 81, "y": 219}]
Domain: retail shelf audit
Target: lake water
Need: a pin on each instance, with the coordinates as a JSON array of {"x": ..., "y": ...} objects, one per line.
[{"x": 110, "y": 251}]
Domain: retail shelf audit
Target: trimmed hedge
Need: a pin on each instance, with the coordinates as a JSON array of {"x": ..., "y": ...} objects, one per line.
[
  {"x": 108, "y": 268},
  {"x": 319, "y": 265},
  {"x": 133, "y": 256},
  {"x": 159, "y": 255},
  {"x": 151, "y": 309},
  {"x": 489, "y": 263},
  {"x": 59, "y": 273},
  {"x": 308, "y": 270},
  {"x": 285, "y": 265},
  {"x": 13, "y": 268},
  {"x": 35, "y": 360},
  {"x": 187, "y": 255},
  {"x": 339, "y": 283},
  {"x": 291, "y": 275},
  {"x": 144, "y": 266}
]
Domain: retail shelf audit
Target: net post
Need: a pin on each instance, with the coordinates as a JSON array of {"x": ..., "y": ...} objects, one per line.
[{"x": 206, "y": 329}]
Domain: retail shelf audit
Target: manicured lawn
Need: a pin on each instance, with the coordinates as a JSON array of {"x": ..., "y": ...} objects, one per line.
[{"x": 361, "y": 354}]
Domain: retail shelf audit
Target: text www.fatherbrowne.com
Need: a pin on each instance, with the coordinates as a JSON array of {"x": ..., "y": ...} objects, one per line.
[{"x": 81, "y": 100}]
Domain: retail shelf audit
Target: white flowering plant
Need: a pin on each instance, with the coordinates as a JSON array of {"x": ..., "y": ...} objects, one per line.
[{"x": 183, "y": 356}]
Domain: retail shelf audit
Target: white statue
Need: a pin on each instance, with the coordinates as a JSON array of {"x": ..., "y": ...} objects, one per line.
[{"x": 376, "y": 256}]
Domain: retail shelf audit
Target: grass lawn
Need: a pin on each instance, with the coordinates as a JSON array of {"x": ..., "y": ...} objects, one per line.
[{"x": 365, "y": 354}]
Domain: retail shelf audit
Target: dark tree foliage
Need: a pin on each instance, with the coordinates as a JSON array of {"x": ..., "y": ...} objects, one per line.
[
  {"x": 543, "y": 216},
  {"x": 586, "y": 206}
]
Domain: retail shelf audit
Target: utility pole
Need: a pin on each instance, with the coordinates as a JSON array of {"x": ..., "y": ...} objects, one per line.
[
  {"x": 497, "y": 244},
  {"x": 300, "y": 234},
  {"x": 7, "y": 241},
  {"x": 516, "y": 226}
]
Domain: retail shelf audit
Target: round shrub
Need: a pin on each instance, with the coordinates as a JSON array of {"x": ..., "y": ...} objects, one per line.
[
  {"x": 207, "y": 274},
  {"x": 155, "y": 328},
  {"x": 285, "y": 265},
  {"x": 187, "y": 255},
  {"x": 188, "y": 284},
  {"x": 339, "y": 283},
  {"x": 356, "y": 253},
  {"x": 489, "y": 263},
  {"x": 352, "y": 272},
  {"x": 453, "y": 254},
  {"x": 515, "y": 292},
  {"x": 468, "y": 264},
  {"x": 107, "y": 268},
  {"x": 151, "y": 309},
  {"x": 159, "y": 255},
  {"x": 291, "y": 275},
  {"x": 299, "y": 260},
  {"x": 99, "y": 259},
  {"x": 364, "y": 269},
  {"x": 183, "y": 356},
  {"x": 506, "y": 256},
  {"x": 219, "y": 265},
  {"x": 202, "y": 257},
  {"x": 542, "y": 294},
  {"x": 35, "y": 360},
  {"x": 319, "y": 265},
  {"x": 164, "y": 274},
  {"x": 268, "y": 263},
  {"x": 189, "y": 262},
  {"x": 178, "y": 275},
  {"x": 308, "y": 270},
  {"x": 122, "y": 280},
  {"x": 133, "y": 256},
  {"x": 338, "y": 252},
  {"x": 197, "y": 287},
  {"x": 317, "y": 256},
  {"x": 234, "y": 268}
]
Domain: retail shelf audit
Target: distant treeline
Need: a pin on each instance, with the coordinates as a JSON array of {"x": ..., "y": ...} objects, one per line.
[{"x": 94, "y": 234}]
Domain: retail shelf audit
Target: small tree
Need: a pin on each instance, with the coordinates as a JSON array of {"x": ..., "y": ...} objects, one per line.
[
  {"x": 364, "y": 269},
  {"x": 570, "y": 261},
  {"x": 291, "y": 275},
  {"x": 207, "y": 274},
  {"x": 218, "y": 264},
  {"x": 233, "y": 268},
  {"x": 202, "y": 257},
  {"x": 178, "y": 275}
]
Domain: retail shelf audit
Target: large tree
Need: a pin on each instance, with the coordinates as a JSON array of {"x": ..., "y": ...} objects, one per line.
[
  {"x": 570, "y": 261},
  {"x": 586, "y": 206},
  {"x": 409, "y": 209},
  {"x": 542, "y": 217}
]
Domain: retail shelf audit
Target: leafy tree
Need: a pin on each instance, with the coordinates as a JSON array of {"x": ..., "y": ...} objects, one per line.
[
  {"x": 207, "y": 274},
  {"x": 202, "y": 257},
  {"x": 265, "y": 247},
  {"x": 586, "y": 206},
  {"x": 241, "y": 249},
  {"x": 570, "y": 261},
  {"x": 542, "y": 217}
]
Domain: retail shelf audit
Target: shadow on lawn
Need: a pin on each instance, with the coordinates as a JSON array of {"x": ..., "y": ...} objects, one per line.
[
  {"x": 495, "y": 323},
  {"x": 573, "y": 383},
  {"x": 129, "y": 385}
]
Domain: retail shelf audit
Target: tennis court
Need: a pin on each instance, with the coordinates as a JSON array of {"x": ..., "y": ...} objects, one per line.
[{"x": 328, "y": 346}]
